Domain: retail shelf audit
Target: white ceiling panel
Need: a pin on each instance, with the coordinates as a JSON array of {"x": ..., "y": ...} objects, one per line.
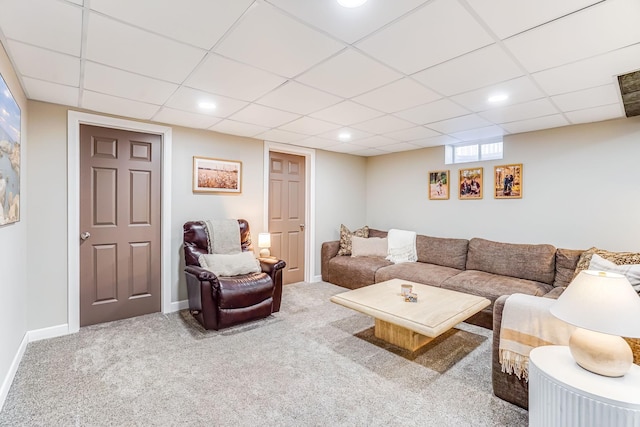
[
  {"x": 78, "y": 2},
  {"x": 120, "y": 106},
  {"x": 459, "y": 124},
  {"x": 346, "y": 113},
  {"x": 299, "y": 98},
  {"x": 187, "y": 99},
  {"x": 349, "y": 74},
  {"x": 345, "y": 147},
  {"x": 399, "y": 95},
  {"x": 289, "y": 49},
  {"x": 128, "y": 48},
  {"x": 51, "y": 92},
  {"x": 479, "y": 133},
  {"x": 433, "y": 112},
  {"x": 230, "y": 78},
  {"x": 202, "y": 29},
  {"x": 383, "y": 125},
  {"x": 369, "y": 152},
  {"x": 435, "y": 141},
  {"x": 518, "y": 90},
  {"x": 376, "y": 141},
  {"x": 483, "y": 67},
  {"x": 588, "y": 98},
  {"x": 316, "y": 142},
  {"x": 184, "y": 118},
  {"x": 404, "y": 44},
  {"x": 99, "y": 78},
  {"x": 398, "y": 147},
  {"x": 527, "y": 110},
  {"x": 354, "y": 134},
  {"x": 605, "y": 26},
  {"x": 264, "y": 116},
  {"x": 508, "y": 17},
  {"x": 412, "y": 134},
  {"x": 596, "y": 114},
  {"x": 546, "y": 122},
  {"x": 310, "y": 126},
  {"x": 49, "y": 24},
  {"x": 234, "y": 127},
  {"x": 60, "y": 68},
  {"x": 279, "y": 135}
]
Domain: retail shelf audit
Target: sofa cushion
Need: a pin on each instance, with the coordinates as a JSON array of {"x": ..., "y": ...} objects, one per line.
[
  {"x": 354, "y": 273},
  {"x": 419, "y": 272},
  {"x": 530, "y": 262},
  {"x": 377, "y": 233},
  {"x": 618, "y": 258},
  {"x": 446, "y": 252},
  {"x": 345, "y": 238},
  {"x": 566, "y": 261},
  {"x": 371, "y": 246},
  {"x": 492, "y": 286}
]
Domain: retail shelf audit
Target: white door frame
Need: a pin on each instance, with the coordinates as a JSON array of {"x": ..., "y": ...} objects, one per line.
[
  {"x": 74, "y": 120},
  {"x": 309, "y": 199}
]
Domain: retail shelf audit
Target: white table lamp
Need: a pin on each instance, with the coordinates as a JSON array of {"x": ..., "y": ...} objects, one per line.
[
  {"x": 264, "y": 243},
  {"x": 604, "y": 307}
]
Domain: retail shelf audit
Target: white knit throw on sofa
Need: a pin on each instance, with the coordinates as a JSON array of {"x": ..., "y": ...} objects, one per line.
[{"x": 402, "y": 246}]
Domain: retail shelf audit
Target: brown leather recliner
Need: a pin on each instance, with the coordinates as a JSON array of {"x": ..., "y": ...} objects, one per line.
[{"x": 219, "y": 302}]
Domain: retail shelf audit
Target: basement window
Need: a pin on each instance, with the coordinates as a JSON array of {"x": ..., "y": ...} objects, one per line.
[{"x": 473, "y": 152}]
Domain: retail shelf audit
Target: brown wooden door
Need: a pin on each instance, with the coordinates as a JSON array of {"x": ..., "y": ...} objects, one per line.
[
  {"x": 119, "y": 224},
  {"x": 287, "y": 213}
]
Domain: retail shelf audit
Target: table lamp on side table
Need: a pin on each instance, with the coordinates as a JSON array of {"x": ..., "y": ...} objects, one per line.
[
  {"x": 264, "y": 243},
  {"x": 604, "y": 308}
]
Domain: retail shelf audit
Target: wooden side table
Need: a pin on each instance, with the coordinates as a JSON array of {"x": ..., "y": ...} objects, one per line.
[{"x": 563, "y": 394}]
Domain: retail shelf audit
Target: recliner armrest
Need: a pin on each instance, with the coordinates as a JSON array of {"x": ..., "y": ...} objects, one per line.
[
  {"x": 200, "y": 273},
  {"x": 271, "y": 265}
]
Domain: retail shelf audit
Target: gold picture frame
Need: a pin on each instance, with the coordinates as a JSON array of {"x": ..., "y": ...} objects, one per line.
[
  {"x": 507, "y": 181},
  {"x": 470, "y": 184},
  {"x": 439, "y": 188},
  {"x": 217, "y": 176}
]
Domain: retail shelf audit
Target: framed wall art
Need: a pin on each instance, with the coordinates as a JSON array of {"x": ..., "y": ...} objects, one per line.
[
  {"x": 439, "y": 185},
  {"x": 470, "y": 184},
  {"x": 9, "y": 156},
  {"x": 216, "y": 175},
  {"x": 508, "y": 181}
]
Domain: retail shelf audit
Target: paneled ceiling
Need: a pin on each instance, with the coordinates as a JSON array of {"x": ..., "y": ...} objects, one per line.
[{"x": 394, "y": 75}]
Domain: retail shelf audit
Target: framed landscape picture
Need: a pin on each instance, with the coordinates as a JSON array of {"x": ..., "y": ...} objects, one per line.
[
  {"x": 439, "y": 185},
  {"x": 508, "y": 181},
  {"x": 470, "y": 184},
  {"x": 216, "y": 175},
  {"x": 9, "y": 156}
]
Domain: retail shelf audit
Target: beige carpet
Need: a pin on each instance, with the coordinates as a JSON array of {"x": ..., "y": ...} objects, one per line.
[{"x": 313, "y": 364}]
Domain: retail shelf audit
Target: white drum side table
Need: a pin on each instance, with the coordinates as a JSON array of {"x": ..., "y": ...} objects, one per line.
[{"x": 563, "y": 394}]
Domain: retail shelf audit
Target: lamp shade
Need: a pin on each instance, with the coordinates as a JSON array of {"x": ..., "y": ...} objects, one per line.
[
  {"x": 264, "y": 240},
  {"x": 601, "y": 302}
]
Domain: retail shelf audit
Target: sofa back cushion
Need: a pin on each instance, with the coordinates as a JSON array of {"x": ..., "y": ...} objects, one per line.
[
  {"x": 440, "y": 251},
  {"x": 377, "y": 233},
  {"x": 531, "y": 262},
  {"x": 566, "y": 263}
]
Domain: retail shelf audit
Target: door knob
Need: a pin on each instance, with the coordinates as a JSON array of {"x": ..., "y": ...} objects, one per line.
[
  {"x": 301, "y": 227},
  {"x": 85, "y": 235}
]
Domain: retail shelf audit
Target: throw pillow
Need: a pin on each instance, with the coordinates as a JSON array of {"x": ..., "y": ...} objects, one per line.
[
  {"x": 230, "y": 264},
  {"x": 372, "y": 246},
  {"x": 402, "y": 246},
  {"x": 618, "y": 258},
  {"x": 631, "y": 271},
  {"x": 345, "y": 238}
]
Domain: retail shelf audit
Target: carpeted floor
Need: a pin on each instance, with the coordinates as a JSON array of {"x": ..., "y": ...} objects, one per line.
[{"x": 312, "y": 364}]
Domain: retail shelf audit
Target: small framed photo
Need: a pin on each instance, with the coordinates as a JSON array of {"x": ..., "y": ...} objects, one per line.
[
  {"x": 439, "y": 185},
  {"x": 508, "y": 181},
  {"x": 470, "y": 184},
  {"x": 216, "y": 175}
]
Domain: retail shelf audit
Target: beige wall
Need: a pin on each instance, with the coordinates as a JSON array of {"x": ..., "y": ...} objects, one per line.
[{"x": 579, "y": 190}]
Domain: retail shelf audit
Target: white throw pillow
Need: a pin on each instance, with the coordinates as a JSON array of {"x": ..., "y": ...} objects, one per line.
[
  {"x": 230, "y": 264},
  {"x": 631, "y": 271},
  {"x": 402, "y": 246},
  {"x": 372, "y": 246}
]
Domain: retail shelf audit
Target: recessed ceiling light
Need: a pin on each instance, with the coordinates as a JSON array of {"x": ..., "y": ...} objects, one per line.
[
  {"x": 344, "y": 136},
  {"x": 498, "y": 97},
  {"x": 205, "y": 105},
  {"x": 351, "y": 3}
]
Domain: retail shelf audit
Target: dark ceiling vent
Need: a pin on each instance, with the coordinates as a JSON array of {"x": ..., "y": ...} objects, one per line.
[{"x": 630, "y": 90}]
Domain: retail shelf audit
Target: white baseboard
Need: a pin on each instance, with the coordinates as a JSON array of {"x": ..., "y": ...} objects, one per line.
[
  {"x": 50, "y": 332},
  {"x": 8, "y": 380},
  {"x": 178, "y": 305},
  {"x": 316, "y": 279}
]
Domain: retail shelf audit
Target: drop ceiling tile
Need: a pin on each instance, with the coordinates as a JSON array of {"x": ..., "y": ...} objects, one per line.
[
  {"x": 309, "y": 126},
  {"x": 49, "y": 24},
  {"x": 349, "y": 74},
  {"x": 128, "y": 48},
  {"x": 118, "y": 106},
  {"x": 344, "y": 148},
  {"x": 580, "y": 35},
  {"x": 436, "y": 141},
  {"x": 483, "y": 67},
  {"x": 399, "y": 95},
  {"x": 398, "y": 147},
  {"x": 412, "y": 134},
  {"x": 203, "y": 26},
  {"x": 279, "y": 135},
  {"x": 40, "y": 90},
  {"x": 519, "y": 90},
  {"x": 295, "y": 97},
  {"x": 316, "y": 142},
  {"x": 479, "y": 134},
  {"x": 404, "y": 44},
  {"x": 596, "y": 114},
  {"x": 99, "y": 78},
  {"x": 60, "y": 68},
  {"x": 289, "y": 49},
  {"x": 238, "y": 128},
  {"x": 184, "y": 118},
  {"x": 230, "y": 78},
  {"x": 433, "y": 112},
  {"x": 594, "y": 97},
  {"x": 346, "y": 113},
  {"x": 78, "y": 2},
  {"x": 354, "y": 134},
  {"x": 553, "y": 121},
  {"x": 597, "y": 71},
  {"x": 526, "y": 110},
  {"x": 376, "y": 141},
  {"x": 383, "y": 124},
  {"x": 347, "y": 24},
  {"x": 264, "y": 116},
  {"x": 187, "y": 99},
  {"x": 458, "y": 124},
  {"x": 369, "y": 152},
  {"x": 508, "y": 17}
]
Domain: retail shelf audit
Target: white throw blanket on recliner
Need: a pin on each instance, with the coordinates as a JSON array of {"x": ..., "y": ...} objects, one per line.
[{"x": 224, "y": 236}]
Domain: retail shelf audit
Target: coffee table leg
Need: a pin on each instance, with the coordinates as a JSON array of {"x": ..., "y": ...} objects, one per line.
[{"x": 399, "y": 336}]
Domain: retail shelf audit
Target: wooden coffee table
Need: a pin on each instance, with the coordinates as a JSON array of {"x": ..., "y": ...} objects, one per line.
[{"x": 411, "y": 325}]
